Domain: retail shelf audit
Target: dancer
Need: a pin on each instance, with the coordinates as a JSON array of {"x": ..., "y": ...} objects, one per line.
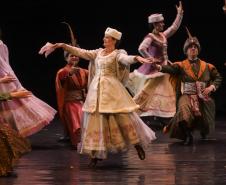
[
  {"x": 195, "y": 107},
  {"x": 12, "y": 145},
  {"x": 110, "y": 122},
  {"x": 71, "y": 90},
  {"x": 27, "y": 116},
  {"x": 152, "y": 89}
]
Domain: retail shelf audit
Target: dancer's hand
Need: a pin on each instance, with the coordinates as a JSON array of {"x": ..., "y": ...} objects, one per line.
[
  {"x": 143, "y": 60},
  {"x": 157, "y": 67},
  {"x": 21, "y": 94},
  {"x": 7, "y": 79},
  {"x": 74, "y": 70},
  {"x": 49, "y": 48},
  {"x": 208, "y": 90},
  {"x": 153, "y": 60},
  {"x": 179, "y": 8}
]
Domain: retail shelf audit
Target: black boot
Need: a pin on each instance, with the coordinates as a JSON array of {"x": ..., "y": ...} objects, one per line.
[
  {"x": 189, "y": 138},
  {"x": 188, "y": 134},
  {"x": 93, "y": 162},
  {"x": 140, "y": 151}
]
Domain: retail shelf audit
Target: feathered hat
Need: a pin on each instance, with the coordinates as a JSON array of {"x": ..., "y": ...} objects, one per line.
[
  {"x": 191, "y": 40},
  {"x": 73, "y": 40}
]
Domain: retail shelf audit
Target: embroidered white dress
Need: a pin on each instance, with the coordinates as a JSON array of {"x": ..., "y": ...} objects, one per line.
[{"x": 110, "y": 122}]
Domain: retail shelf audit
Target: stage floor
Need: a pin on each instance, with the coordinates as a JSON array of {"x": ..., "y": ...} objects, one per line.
[{"x": 167, "y": 163}]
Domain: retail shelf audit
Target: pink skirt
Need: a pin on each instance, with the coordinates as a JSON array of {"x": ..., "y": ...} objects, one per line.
[{"x": 26, "y": 115}]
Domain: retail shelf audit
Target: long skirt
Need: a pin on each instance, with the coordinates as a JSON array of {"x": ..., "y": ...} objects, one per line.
[
  {"x": 156, "y": 98},
  {"x": 26, "y": 115},
  {"x": 106, "y": 132}
]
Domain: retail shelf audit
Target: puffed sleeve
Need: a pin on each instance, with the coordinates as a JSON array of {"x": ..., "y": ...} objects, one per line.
[{"x": 125, "y": 59}]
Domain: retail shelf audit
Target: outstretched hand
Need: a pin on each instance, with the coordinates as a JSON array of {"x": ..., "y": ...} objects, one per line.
[
  {"x": 153, "y": 60},
  {"x": 49, "y": 48},
  {"x": 179, "y": 8},
  {"x": 150, "y": 60},
  {"x": 7, "y": 79},
  {"x": 21, "y": 94}
]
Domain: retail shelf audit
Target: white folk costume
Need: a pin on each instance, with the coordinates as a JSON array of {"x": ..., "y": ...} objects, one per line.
[
  {"x": 110, "y": 122},
  {"x": 152, "y": 90}
]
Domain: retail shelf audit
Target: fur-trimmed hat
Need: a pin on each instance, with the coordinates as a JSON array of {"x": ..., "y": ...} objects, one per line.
[
  {"x": 113, "y": 33},
  {"x": 190, "y": 41},
  {"x": 155, "y": 18}
]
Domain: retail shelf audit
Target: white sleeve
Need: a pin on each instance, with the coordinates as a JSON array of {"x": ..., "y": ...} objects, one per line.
[
  {"x": 82, "y": 53},
  {"x": 126, "y": 59},
  {"x": 174, "y": 27}
]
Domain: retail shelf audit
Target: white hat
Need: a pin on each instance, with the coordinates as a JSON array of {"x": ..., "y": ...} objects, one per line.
[
  {"x": 155, "y": 18},
  {"x": 113, "y": 33}
]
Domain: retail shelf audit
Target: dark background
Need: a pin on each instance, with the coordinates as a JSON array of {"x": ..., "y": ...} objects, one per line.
[{"x": 28, "y": 25}]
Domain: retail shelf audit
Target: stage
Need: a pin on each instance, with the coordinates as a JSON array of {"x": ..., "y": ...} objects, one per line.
[{"x": 167, "y": 163}]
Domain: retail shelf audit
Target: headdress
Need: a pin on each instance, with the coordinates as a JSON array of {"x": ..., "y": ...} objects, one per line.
[
  {"x": 190, "y": 41},
  {"x": 155, "y": 18},
  {"x": 73, "y": 40},
  {"x": 113, "y": 33}
]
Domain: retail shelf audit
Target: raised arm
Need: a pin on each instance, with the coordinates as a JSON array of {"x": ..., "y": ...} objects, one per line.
[{"x": 177, "y": 22}]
